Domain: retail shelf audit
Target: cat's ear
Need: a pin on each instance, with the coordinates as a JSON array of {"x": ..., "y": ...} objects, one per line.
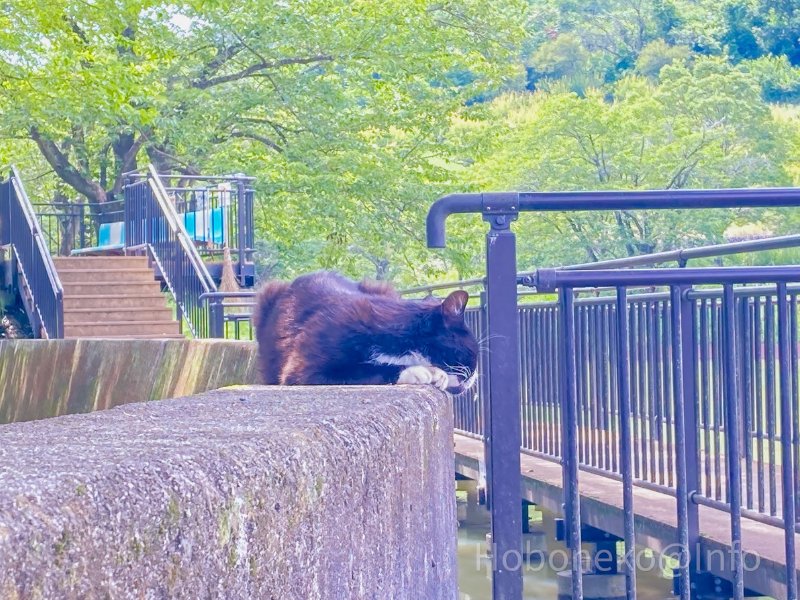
[{"x": 455, "y": 304}]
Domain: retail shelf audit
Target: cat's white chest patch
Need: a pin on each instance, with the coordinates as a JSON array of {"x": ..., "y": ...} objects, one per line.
[{"x": 411, "y": 359}]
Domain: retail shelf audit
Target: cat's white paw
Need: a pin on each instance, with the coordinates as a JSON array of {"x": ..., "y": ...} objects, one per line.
[{"x": 419, "y": 374}]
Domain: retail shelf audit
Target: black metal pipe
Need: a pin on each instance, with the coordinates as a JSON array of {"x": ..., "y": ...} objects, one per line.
[
  {"x": 659, "y": 277},
  {"x": 626, "y": 448},
  {"x": 603, "y": 200}
]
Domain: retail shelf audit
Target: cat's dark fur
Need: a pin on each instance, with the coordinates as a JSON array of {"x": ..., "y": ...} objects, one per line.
[{"x": 326, "y": 329}]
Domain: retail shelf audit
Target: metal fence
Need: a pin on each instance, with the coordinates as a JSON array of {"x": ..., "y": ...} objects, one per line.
[
  {"x": 691, "y": 391},
  {"x": 649, "y": 326},
  {"x": 152, "y": 225},
  {"x": 68, "y": 226},
  {"x": 40, "y": 288},
  {"x": 217, "y": 212}
]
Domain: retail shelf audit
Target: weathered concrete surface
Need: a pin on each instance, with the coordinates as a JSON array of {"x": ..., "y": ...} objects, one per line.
[
  {"x": 47, "y": 378},
  {"x": 258, "y": 492}
]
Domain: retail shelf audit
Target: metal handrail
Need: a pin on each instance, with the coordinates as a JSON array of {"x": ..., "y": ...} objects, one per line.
[
  {"x": 684, "y": 335},
  {"x": 178, "y": 228},
  {"x": 52, "y": 323}
]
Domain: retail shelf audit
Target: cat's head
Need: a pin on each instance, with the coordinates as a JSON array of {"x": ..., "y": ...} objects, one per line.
[{"x": 449, "y": 344}]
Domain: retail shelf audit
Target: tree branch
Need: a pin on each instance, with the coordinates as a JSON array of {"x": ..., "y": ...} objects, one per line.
[
  {"x": 205, "y": 83},
  {"x": 65, "y": 170},
  {"x": 258, "y": 138},
  {"x": 180, "y": 165},
  {"x": 129, "y": 161}
]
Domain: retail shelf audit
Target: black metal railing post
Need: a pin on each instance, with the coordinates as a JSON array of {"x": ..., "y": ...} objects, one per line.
[
  {"x": 241, "y": 229},
  {"x": 483, "y": 367},
  {"x": 626, "y": 448},
  {"x": 82, "y": 224},
  {"x": 732, "y": 437},
  {"x": 569, "y": 437},
  {"x": 217, "y": 318},
  {"x": 5, "y": 212},
  {"x": 503, "y": 427},
  {"x": 687, "y": 456}
]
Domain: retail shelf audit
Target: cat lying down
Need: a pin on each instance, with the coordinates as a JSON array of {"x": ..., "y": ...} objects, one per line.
[{"x": 326, "y": 329}]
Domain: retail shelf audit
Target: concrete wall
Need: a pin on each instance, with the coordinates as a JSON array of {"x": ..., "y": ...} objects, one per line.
[
  {"x": 261, "y": 492},
  {"x": 47, "y": 378}
]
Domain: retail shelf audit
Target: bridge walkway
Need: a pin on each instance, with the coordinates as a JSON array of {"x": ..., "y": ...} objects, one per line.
[{"x": 655, "y": 517}]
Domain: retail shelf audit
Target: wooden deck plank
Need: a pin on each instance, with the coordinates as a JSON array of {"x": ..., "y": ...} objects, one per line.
[{"x": 655, "y": 517}]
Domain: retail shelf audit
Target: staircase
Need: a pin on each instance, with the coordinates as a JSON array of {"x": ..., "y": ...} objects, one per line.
[{"x": 113, "y": 297}]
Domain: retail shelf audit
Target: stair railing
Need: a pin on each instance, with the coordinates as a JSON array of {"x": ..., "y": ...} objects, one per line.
[
  {"x": 152, "y": 222},
  {"x": 39, "y": 285}
]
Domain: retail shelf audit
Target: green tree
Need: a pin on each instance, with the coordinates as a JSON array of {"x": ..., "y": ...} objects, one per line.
[
  {"x": 704, "y": 125},
  {"x": 337, "y": 107},
  {"x": 658, "y": 54}
]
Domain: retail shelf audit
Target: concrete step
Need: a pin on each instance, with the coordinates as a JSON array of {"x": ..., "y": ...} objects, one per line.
[
  {"x": 106, "y": 275},
  {"x": 111, "y": 288},
  {"x": 122, "y": 328},
  {"x": 114, "y": 301},
  {"x": 109, "y": 315},
  {"x": 70, "y": 263}
]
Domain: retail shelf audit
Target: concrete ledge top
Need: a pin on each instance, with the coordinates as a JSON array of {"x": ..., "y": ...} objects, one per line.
[{"x": 233, "y": 493}]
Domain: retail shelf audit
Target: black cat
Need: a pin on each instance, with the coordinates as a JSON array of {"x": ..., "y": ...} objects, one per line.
[{"x": 326, "y": 329}]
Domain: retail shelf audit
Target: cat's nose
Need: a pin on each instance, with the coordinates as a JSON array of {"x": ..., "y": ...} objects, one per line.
[{"x": 453, "y": 381}]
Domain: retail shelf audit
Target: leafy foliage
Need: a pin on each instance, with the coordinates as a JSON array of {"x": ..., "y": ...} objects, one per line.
[{"x": 354, "y": 116}]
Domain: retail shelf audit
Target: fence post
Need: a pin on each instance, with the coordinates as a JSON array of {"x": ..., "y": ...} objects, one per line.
[
  {"x": 82, "y": 223},
  {"x": 503, "y": 428},
  {"x": 217, "y": 316},
  {"x": 241, "y": 228},
  {"x": 684, "y": 339},
  {"x": 5, "y": 212}
]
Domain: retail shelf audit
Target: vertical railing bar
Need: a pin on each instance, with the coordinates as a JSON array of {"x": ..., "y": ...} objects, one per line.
[
  {"x": 705, "y": 386},
  {"x": 753, "y": 367},
  {"x": 547, "y": 395},
  {"x": 669, "y": 393},
  {"x": 523, "y": 376},
  {"x": 550, "y": 391},
  {"x": 626, "y": 447},
  {"x": 717, "y": 380},
  {"x": 555, "y": 405},
  {"x": 746, "y": 389},
  {"x": 732, "y": 438},
  {"x": 760, "y": 366},
  {"x": 544, "y": 366},
  {"x": 594, "y": 396},
  {"x": 636, "y": 378},
  {"x": 794, "y": 398},
  {"x": 614, "y": 316},
  {"x": 652, "y": 433},
  {"x": 685, "y": 425},
  {"x": 569, "y": 433},
  {"x": 581, "y": 334},
  {"x": 642, "y": 409},
  {"x": 658, "y": 362},
  {"x": 604, "y": 392},
  {"x": 769, "y": 334},
  {"x": 538, "y": 380},
  {"x": 787, "y": 462}
]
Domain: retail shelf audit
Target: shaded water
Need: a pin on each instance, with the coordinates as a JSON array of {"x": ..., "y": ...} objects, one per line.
[{"x": 474, "y": 567}]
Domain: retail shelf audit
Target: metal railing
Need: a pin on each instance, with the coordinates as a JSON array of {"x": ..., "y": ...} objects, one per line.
[
  {"x": 153, "y": 225},
  {"x": 231, "y": 314},
  {"x": 40, "y": 288},
  {"x": 69, "y": 226},
  {"x": 222, "y": 211},
  {"x": 692, "y": 391}
]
